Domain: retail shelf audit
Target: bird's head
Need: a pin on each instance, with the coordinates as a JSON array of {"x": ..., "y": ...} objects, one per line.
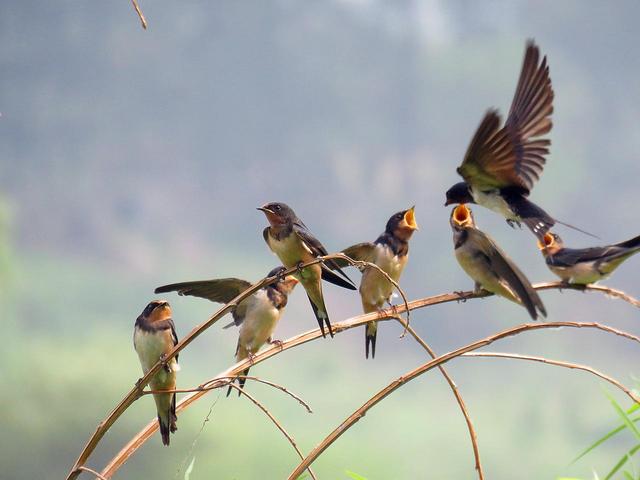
[
  {"x": 402, "y": 224},
  {"x": 278, "y": 214},
  {"x": 459, "y": 193},
  {"x": 550, "y": 244},
  {"x": 461, "y": 217},
  {"x": 284, "y": 285},
  {"x": 157, "y": 310}
]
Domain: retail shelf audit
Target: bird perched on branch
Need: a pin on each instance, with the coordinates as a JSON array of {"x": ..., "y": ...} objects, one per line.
[
  {"x": 256, "y": 315},
  {"x": 488, "y": 265},
  {"x": 585, "y": 265},
  {"x": 154, "y": 336},
  {"x": 501, "y": 165},
  {"x": 290, "y": 239},
  {"x": 390, "y": 252}
]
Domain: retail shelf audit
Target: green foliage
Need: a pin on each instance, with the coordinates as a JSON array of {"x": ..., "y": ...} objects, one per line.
[{"x": 628, "y": 423}]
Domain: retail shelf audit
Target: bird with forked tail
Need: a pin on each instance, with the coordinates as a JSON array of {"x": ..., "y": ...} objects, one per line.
[
  {"x": 154, "y": 337},
  {"x": 501, "y": 165},
  {"x": 489, "y": 266},
  {"x": 390, "y": 252},
  {"x": 290, "y": 239},
  {"x": 256, "y": 315},
  {"x": 583, "y": 266}
]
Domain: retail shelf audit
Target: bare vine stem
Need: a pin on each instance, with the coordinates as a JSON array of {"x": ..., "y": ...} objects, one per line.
[
  {"x": 135, "y": 393},
  {"x": 275, "y": 422},
  {"x": 143, "y": 20},
  {"x": 407, "y": 377},
  {"x": 454, "y": 388},
  {"x": 559, "y": 363}
]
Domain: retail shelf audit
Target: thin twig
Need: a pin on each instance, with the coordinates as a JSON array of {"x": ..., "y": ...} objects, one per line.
[
  {"x": 558, "y": 363},
  {"x": 217, "y": 384},
  {"x": 275, "y": 422},
  {"x": 454, "y": 388},
  {"x": 134, "y": 394},
  {"x": 140, "y": 14},
  {"x": 92, "y": 472},
  {"x": 407, "y": 377}
]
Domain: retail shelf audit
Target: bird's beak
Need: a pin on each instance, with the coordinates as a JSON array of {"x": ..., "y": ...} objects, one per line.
[
  {"x": 546, "y": 242},
  {"x": 264, "y": 209},
  {"x": 461, "y": 215},
  {"x": 410, "y": 218},
  {"x": 447, "y": 203}
]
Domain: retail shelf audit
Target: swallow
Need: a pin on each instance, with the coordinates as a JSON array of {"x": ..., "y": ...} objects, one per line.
[
  {"x": 390, "y": 252},
  {"x": 154, "y": 336},
  {"x": 488, "y": 265},
  {"x": 290, "y": 239},
  {"x": 256, "y": 315},
  {"x": 585, "y": 265},
  {"x": 501, "y": 165}
]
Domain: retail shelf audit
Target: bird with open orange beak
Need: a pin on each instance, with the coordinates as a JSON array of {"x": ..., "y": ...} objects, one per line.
[
  {"x": 585, "y": 265},
  {"x": 257, "y": 315},
  {"x": 390, "y": 252},
  {"x": 488, "y": 265},
  {"x": 154, "y": 336}
]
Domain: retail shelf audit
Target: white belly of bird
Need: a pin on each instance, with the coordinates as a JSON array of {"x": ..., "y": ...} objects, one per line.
[
  {"x": 290, "y": 250},
  {"x": 493, "y": 201},
  {"x": 150, "y": 346},
  {"x": 259, "y": 323},
  {"x": 375, "y": 289},
  {"x": 582, "y": 273},
  {"x": 479, "y": 272}
]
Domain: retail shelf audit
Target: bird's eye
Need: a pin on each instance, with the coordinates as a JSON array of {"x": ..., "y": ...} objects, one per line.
[
  {"x": 399, "y": 216},
  {"x": 277, "y": 208}
]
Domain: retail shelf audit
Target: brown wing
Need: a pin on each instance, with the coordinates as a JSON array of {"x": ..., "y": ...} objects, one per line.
[
  {"x": 364, "y": 252},
  {"x": 221, "y": 290},
  {"x": 512, "y": 155}
]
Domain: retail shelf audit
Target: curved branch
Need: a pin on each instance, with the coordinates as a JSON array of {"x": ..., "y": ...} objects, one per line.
[
  {"x": 143, "y": 20},
  {"x": 416, "y": 372},
  {"x": 557, "y": 363},
  {"x": 454, "y": 388},
  {"x": 275, "y": 422},
  {"x": 134, "y": 394}
]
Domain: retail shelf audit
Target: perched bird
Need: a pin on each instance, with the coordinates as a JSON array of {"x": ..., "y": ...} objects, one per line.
[
  {"x": 488, "y": 265},
  {"x": 257, "y": 315},
  {"x": 294, "y": 244},
  {"x": 585, "y": 265},
  {"x": 390, "y": 252},
  {"x": 154, "y": 336},
  {"x": 502, "y": 164}
]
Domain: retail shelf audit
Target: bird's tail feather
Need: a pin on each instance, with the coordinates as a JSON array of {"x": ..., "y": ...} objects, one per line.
[
  {"x": 241, "y": 382},
  {"x": 370, "y": 335},
  {"x": 322, "y": 317},
  {"x": 577, "y": 229}
]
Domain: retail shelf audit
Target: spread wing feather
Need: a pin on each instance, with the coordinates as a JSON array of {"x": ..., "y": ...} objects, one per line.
[{"x": 512, "y": 156}]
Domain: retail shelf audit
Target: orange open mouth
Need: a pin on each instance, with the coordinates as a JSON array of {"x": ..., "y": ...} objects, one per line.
[
  {"x": 410, "y": 218},
  {"x": 461, "y": 214},
  {"x": 546, "y": 242}
]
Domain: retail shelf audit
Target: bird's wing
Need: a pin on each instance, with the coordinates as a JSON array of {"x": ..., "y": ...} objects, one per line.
[
  {"x": 568, "y": 257},
  {"x": 363, "y": 252},
  {"x": 221, "y": 290},
  {"x": 317, "y": 249},
  {"x": 508, "y": 272},
  {"x": 513, "y": 156}
]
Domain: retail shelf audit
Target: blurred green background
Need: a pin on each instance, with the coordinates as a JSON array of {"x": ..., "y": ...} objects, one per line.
[{"x": 133, "y": 158}]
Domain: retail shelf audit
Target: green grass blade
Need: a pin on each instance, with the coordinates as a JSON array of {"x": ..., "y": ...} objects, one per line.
[
  {"x": 622, "y": 461},
  {"x": 602, "y": 439},
  {"x": 354, "y": 475},
  {"x": 625, "y": 418}
]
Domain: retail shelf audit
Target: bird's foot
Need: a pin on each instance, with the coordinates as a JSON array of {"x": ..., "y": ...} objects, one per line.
[
  {"x": 514, "y": 223},
  {"x": 276, "y": 342},
  {"x": 140, "y": 385},
  {"x": 299, "y": 267},
  {"x": 394, "y": 308},
  {"x": 462, "y": 296},
  {"x": 251, "y": 357}
]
